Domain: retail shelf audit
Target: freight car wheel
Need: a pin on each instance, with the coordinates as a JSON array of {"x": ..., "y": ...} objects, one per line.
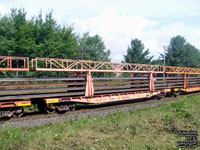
[
  {"x": 49, "y": 110},
  {"x": 63, "y": 108},
  {"x": 73, "y": 107},
  {"x": 6, "y": 113},
  {"x": 19, "y": 112}
]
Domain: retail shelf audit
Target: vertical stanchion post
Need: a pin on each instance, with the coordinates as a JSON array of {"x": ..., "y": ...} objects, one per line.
[
  {"x": 36, "y": 63},
  {"x": 185, "y": 81},
  {"x": 25, "y": 63},
  {"x": 151, "y": 82},
  {"x": 10, "y": 63},
  {"x": 50, "y": 63},
  {"x": 89, "y": 88},
  {"x": 28, "y": 64}
]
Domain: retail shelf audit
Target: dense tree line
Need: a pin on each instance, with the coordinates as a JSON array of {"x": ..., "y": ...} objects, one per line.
[
  {"x": 178, "y": 53},
  {"x": 181, "y": 53},
  {"x": 44, "y": 37}
]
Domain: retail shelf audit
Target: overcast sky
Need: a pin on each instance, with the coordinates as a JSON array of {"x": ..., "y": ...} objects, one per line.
[{"x": 118, "y": 21}]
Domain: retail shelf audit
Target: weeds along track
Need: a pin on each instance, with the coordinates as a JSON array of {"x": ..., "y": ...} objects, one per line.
[{"x": 38, "y": 119}]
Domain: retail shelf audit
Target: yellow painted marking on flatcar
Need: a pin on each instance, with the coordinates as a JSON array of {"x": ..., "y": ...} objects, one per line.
[
  {"x": 153, "y": 93},
  {"x": 176, "y": 90},
  {"x": 27, "y": 104},
  {"x": 49, "y": 102},
  {"x": 140, "y": 95},
  {"x": 90, "y": 100},
  {"x": 120, "y": 97},
  {"x": 169, "y": 91}
]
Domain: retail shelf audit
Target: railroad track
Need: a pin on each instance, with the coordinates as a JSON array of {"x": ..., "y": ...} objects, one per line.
[{"x": 38, "y": 119}]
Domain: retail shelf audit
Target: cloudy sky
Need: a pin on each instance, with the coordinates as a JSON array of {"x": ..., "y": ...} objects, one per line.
[{"x": 118, "y": 21}]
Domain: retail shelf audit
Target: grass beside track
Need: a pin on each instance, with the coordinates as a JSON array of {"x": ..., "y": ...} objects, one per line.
[{"x": 137, "y": 129}]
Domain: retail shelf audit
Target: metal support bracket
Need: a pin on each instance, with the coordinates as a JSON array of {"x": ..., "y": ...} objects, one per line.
[
  {"x": 151, "y": 83},
  {"x": 185, "y": 81},
  {"x": 89, "y": 88}
]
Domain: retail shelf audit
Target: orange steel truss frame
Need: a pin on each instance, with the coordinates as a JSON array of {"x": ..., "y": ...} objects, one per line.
[
  {"x": 68, "y": 65},
  {"x": 6, "y": 63},
  {"x": 181, "y": 70}
]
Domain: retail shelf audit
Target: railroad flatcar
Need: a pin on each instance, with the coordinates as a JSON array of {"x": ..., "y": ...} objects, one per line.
[{"x": 81, "y": 83}]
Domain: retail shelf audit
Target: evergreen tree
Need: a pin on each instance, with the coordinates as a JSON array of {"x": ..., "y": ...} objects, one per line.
[
  {"x": 36, "y": 37},
  {"x": 136, "y": 53},
  {"x": 44, "y": 37},
  {"x": 181, "y": 53},
  {"x": 93, "y": 48}
]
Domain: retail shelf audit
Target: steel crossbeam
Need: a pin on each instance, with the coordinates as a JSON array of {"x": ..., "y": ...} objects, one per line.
[
  {"x": 181, "y": 70},
  {"x": 68, "y": 65},
  {"x": 9, "y": 63}
]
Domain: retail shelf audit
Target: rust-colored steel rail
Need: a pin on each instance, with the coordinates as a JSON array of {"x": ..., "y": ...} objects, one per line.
[
  {"x": 68, "y": 65},
  {"x": 10, "y": 63}
]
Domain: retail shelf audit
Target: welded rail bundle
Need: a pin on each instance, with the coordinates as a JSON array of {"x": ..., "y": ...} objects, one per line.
[{"x": 62, "y": 93}]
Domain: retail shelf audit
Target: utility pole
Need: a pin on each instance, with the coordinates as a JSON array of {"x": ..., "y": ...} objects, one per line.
[{"x": 164, "y": 62}]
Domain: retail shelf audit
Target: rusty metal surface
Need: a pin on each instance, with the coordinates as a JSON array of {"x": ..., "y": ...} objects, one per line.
[
  {"x": 28, "y": 91},
  {"x": 121, "y": 86},
  {"x": 39, "y": 79},
  {"x": 120, "y": 78},
  {"x": 119, "y": 82},
  {"x": 31, "y": 86},
  {"x": 39, "y": 96},
  {"x": 106, "y": 85}
]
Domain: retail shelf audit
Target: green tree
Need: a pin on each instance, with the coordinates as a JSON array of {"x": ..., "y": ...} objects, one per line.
[
  {"x": 53, "y": 40},
  {"x": 36, "y": 37},
  {"x": 7, "y": 36},
  {"x": 136, "y": 53},
  {"x": 93, "y": 48},
  {"x": 181, "y": 53},
  {"x": 158, "y": 61}
]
